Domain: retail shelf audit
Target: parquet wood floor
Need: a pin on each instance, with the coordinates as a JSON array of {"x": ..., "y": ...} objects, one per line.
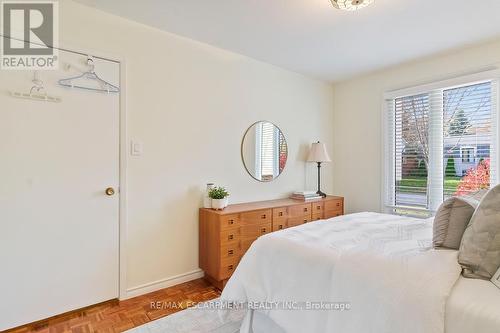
[{"x": 118, "y": 316}]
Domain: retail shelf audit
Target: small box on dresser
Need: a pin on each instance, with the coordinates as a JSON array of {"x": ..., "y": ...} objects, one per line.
[{"x": 224, "y": 236}]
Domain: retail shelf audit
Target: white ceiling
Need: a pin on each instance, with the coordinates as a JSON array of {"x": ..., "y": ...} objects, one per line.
[{"x": 312, "y": 37}]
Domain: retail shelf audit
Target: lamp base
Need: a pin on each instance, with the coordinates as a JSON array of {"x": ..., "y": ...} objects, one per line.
[{"x": 321, "y": 193}]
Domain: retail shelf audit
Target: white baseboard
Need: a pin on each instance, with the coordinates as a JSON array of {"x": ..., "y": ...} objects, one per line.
[{"x": 163, "y": 283}]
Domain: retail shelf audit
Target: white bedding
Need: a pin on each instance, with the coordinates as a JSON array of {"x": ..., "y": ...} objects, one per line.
[
  {"x": 382, "y": 265},
  {"x": 473, "y": 307}
]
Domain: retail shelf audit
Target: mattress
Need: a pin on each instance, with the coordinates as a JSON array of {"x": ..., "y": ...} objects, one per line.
[{"x": 473, "y": 307}]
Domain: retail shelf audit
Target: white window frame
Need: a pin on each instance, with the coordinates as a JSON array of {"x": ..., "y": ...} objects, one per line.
[{"x": 388, "y": 160}]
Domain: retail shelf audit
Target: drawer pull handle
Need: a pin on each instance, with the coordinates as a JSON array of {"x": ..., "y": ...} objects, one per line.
[
  {"x": 280, "y": 227},
  {"x": 230, "y": 237},
  {"x": 338, "y": 204},
  {"x": 305, "y": 209},
  {"x": 231, "y": 222},
  {"x": 230, "y": 267},
  {"x": 230, "y": 252},
  {"x": 305, "y": 221},
  {"x": 280, "y": 214},
  {"x": 263, "y": 216},
  {"x": 318, "y": 207},
  {"x": 263, "y": 230}
]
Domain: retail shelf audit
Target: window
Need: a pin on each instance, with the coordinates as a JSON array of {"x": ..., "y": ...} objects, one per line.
[
  {"x": 411, "y": 150},
  {"x": 441, "y": 141},
  {"x": 467, "y": 130}
]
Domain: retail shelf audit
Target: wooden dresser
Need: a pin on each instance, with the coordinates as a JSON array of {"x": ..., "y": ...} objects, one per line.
[{"x": 227, "y": 234}]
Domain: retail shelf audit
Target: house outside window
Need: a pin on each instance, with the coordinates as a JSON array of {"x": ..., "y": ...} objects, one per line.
[{"x": 468, "y": 154}]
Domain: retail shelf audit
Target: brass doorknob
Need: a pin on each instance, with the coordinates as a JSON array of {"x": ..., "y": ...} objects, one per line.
[{"x": 110, "y": 191}]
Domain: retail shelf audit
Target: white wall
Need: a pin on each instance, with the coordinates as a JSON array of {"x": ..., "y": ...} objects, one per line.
[
  {"x": 190, "y": 105},
  {"x": 357, "y": 152}
]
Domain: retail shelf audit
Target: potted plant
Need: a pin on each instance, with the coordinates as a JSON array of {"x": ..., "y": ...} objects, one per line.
[{"x": 219, "y": 197}]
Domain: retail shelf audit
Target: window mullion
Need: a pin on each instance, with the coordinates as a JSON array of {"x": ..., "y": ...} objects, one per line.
[
  {"x": 389, "y": 167},
  {"x": 435, "y": 151}
]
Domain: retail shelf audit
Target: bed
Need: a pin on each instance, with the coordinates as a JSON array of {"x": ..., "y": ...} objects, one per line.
[{"x": 364, "y": 272}]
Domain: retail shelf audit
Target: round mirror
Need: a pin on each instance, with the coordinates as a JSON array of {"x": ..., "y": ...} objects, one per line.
[{"x": 264, "y": 151}]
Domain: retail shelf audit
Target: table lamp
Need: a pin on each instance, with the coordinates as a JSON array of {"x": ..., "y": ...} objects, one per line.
[{"x": 318, "y": 154}]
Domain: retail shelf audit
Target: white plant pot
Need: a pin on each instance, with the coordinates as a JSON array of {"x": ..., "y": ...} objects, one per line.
[
  {"x": 226, "y": 202},
  {"x": 218, "y": 203}
]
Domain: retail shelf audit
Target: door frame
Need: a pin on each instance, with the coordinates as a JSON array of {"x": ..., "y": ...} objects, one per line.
[{"x": 123, "y": 153}]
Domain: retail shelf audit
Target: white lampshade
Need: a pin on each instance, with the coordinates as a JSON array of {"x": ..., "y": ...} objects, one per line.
[{"x": 318, "y": 153}]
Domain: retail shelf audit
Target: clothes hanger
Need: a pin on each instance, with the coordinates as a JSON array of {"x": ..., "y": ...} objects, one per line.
[
  {"x": 91, "y": 75},
  {"x": 37, "y": 92}
]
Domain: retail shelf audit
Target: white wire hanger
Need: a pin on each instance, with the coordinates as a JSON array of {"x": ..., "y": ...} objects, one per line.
[
  {"x": 37, "y": 92},
  {"x": 90, "y": 75}
]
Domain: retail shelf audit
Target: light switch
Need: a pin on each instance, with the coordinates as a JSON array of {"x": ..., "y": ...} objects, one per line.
[{"x": 136, "y": 148}]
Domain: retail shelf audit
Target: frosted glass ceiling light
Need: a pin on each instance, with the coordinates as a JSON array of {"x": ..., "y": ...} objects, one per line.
[{"x": 351, "y": 4}]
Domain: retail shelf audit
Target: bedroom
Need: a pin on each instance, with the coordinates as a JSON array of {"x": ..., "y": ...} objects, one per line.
[{"x": 115, "y": 216}]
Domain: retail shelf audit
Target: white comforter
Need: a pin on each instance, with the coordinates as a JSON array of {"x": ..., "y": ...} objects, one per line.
[{"x": 381, "y": 265}]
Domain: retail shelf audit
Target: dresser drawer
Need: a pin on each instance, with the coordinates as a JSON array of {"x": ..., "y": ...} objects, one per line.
[
  {"x": 230, "y": 235},
  {"x": 335, "y": 205},
  {"x": 295, "y": 221},
  {"x": 317, "y": 216},
  {"x": 254, "y": 231},
  {"x": 251, "y": 232},
  {"x": 258, "y": 216},
  {"x": 229, "y": 221},
  {"x": 317, "y": 208},
  {"x": 300, "y": 210},
  {"x": 230, "y": 250},
  {"x": 227, "y": 267},
  {"x": 280, "y": 213},
  {"x": 332, "y": 213},
  {"x": 279, "y": 224}
]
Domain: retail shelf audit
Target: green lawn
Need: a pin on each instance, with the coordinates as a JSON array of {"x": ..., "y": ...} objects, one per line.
[{"x": 419, "y": 185}]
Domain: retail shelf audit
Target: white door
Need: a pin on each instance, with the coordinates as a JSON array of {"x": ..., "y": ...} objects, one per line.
[{"x": 58, "y": 228}]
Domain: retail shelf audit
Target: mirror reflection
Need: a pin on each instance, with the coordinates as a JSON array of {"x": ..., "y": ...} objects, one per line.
[{"x": 264, "y": 151}]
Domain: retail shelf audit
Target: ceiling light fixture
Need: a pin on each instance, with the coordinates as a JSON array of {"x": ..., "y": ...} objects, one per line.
[{"x": 351, "y": 4}]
